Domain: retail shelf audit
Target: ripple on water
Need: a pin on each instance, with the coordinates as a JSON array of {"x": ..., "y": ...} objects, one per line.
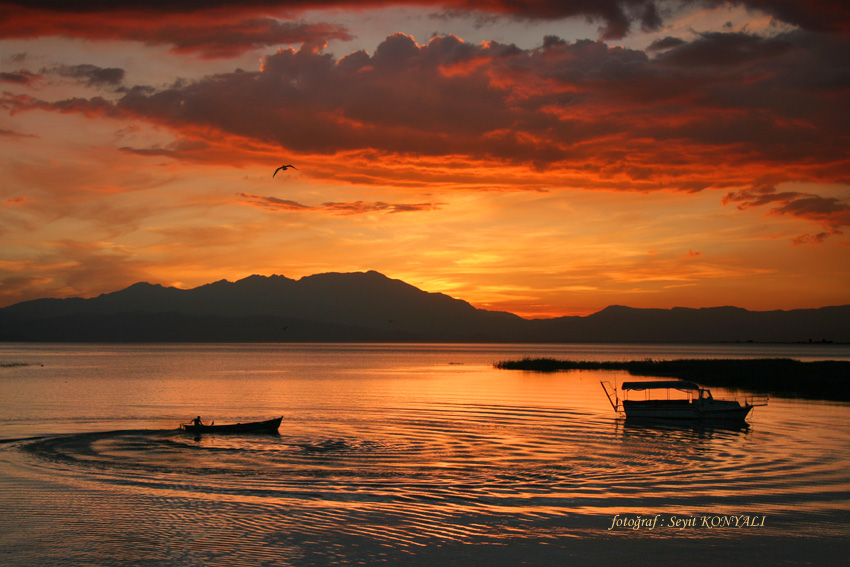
[{"x": 467, "y": 473}]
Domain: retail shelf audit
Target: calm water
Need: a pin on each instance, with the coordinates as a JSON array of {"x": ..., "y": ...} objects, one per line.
[{"x": 400, "y": 455}]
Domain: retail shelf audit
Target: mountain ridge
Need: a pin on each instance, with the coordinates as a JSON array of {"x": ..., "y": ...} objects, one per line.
[{"x": 369, "y": 306}]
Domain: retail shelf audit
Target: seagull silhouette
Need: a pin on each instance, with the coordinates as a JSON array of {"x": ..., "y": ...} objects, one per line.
[{"x": 283, "y": 167}]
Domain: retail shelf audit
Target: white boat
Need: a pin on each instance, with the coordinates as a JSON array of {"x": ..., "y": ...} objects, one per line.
[{"x": 676, "y": 399}]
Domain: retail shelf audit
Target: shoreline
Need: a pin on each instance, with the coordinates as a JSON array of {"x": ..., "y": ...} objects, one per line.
[{"x": 817, "y": 380}]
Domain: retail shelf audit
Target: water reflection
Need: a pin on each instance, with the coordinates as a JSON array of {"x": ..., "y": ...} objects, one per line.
[
  {"x": 690, "y": 428},
  {"x": 383, "y": 458}
]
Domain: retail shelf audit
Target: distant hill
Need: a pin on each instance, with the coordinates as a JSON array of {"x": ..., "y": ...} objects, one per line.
[{"x": 371, "y": 307}]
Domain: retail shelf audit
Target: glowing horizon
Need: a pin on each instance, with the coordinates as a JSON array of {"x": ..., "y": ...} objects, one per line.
[{"x": 530, "y": 157}]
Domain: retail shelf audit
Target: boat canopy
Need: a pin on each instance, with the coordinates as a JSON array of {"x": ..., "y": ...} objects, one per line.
[{"x": 661, "y": 385}]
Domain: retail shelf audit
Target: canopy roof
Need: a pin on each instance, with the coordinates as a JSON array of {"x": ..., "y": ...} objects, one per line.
[{"x": 661, "y": 385}]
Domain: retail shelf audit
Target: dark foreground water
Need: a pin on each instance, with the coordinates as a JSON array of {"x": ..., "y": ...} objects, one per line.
[{"x": 400, "y": 455}]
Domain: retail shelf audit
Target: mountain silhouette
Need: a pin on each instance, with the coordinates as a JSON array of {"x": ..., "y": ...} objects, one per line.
[{"x": 368, "y": 306}]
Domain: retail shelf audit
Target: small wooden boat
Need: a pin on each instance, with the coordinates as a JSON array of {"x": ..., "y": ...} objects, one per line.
[
  {"x": 270, "y": 426},
  {"x": 695, "y": 403}
]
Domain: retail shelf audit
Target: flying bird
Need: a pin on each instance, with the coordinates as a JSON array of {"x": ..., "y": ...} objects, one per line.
[{"x": 283, "y": 167}]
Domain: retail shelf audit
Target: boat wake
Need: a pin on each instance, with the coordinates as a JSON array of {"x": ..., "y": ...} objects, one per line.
[
  {"x": 325, "y": 446},
  {"x": 467, "y": 474}
]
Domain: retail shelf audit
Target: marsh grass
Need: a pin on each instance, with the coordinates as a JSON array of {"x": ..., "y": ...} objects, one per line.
[{"x": 827, "y": 379}]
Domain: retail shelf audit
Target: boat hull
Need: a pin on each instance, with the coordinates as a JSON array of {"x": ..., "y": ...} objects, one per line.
[
  {"x": 686, "y": 410},
  {"x": 270, "y": 426}
]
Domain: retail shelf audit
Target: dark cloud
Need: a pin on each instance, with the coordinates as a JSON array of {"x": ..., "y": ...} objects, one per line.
[
  {"x": 360, "y": 207},
  {"x": 228, "y": 40},
  {"x": 90, "y": 74},
  {"x": 273, "y": 203},
  {"x": 96, "y": 106},
  {"x": 13, "y": 134},
  {"x": 725, "y": 49},
  {"x": 650, "y": 19},
  {"x": 818, "y": 238},
  {"x": 666, "y": 43},
  {"x": 722, "y": 111},
  {"x": 354, "y": 208},
  {"x": 38, "y": 17},
  {"x": 529, "y": 9},
  {"x": 208, "y": 34},
  {"x": 545, "y": 105},
  {"x": 21, "y": 77},
  {"x": 397, "y": 100},
  {"x": 178, "y": 150},
  {"x": 830, "y": 212}
]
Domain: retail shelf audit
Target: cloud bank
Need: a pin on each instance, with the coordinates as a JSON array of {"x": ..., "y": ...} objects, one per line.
[
  {"x": 226, "y": 28},
  {"x": 733, "y": 111}
]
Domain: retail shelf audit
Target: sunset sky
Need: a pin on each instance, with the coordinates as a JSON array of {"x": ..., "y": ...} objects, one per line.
[{"x": 544, "y": 157}]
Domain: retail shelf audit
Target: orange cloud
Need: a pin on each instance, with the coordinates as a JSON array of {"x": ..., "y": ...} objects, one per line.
[
  {"x": 645, "y": 123},
  {"x": 522, "y": 158},
  {"x": 14, "y": 201},
  {"x": 75, "y": 267},
  {"x": 354, "y": 208},
  {"x": 725, "y": 111}
]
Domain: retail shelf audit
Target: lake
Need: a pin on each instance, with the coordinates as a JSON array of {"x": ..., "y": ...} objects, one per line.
[{"x": 401, "y": 455}]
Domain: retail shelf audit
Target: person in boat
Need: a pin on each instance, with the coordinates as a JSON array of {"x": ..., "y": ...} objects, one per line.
[{"x": 197, "y": 422}]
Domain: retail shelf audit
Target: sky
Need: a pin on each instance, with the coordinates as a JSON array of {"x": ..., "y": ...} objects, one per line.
[{"x": 545, "y": 158}]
